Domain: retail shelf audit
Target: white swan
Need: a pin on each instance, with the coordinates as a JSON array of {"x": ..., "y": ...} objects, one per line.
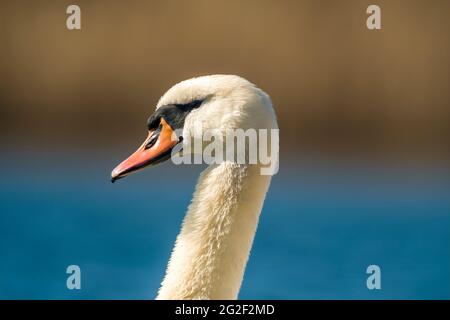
[{"x": 213, "y": 247}]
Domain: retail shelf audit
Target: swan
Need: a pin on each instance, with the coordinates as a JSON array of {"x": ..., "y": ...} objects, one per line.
[{"x": 213, "y": 246}]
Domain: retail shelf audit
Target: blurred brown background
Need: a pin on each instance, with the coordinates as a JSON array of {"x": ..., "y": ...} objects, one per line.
[{"x": 337, "y": 86}]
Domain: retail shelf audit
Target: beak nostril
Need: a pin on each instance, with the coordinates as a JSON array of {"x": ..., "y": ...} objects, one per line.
[
  {"x": 151, "y": 141},
  {"x": 154, "y": 137}
]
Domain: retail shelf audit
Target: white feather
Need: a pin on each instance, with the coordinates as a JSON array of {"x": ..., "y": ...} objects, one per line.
[{"x": 212, "y": 249}]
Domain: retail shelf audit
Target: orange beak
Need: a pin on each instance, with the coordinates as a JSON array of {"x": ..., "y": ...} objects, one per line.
[{"x": 155, "y": 149}]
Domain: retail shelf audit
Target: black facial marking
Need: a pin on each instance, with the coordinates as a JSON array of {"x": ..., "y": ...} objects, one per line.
[{"x": 174, "y": 114}]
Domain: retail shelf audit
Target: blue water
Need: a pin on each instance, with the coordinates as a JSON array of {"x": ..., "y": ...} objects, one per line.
[{"x": 319, "y": 230}]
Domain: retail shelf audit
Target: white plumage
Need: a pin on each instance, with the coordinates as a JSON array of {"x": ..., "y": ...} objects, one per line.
[{"x": 212, "y": 249}]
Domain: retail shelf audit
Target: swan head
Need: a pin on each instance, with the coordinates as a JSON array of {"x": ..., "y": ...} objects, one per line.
[{"x": 215, "y": 103}]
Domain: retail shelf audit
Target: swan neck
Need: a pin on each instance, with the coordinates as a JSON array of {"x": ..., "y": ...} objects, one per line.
[{"x": 212, "y": 249}]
